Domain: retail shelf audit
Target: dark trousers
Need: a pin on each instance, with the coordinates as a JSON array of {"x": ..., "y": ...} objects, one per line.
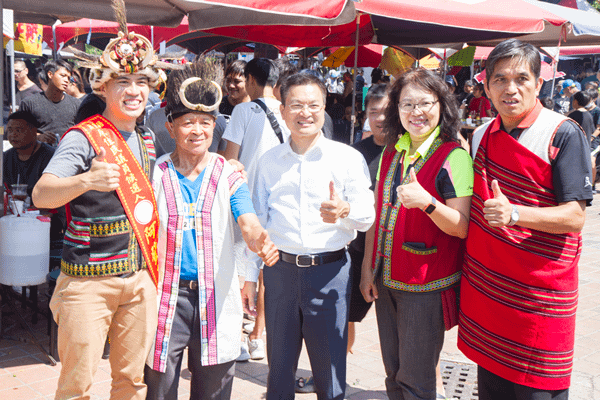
[
  {"x": 311, "y": 304},
  {"x": 212, "y": 382},
  {"x": 411, "y": 336},
  {"x": 492, "y": 387}
]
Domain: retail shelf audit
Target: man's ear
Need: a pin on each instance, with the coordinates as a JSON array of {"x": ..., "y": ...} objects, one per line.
[{"x": 169, "y": 126}]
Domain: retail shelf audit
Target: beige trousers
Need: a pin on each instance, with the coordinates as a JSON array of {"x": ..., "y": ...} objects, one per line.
[{"x": 86, "y": 311}]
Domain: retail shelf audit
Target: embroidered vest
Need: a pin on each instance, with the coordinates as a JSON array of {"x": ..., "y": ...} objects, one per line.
[
  {"x": 415, "y": 255},
  {"x": 519, "y": 286},
  {"x": 99, "y": 240}
]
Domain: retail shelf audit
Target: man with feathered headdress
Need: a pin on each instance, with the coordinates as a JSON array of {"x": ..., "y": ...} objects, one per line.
[
  {"x": 101, "y": 172},
  {"x": 200, "y": 197}
]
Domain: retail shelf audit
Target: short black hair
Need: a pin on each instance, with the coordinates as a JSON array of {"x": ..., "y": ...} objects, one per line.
[
  {"x": 236, "y": 68},
  {"x": 547, "y": 102},
  {"x": 286, "y": 68},
  {"x": 582, "y": 97},
  {"x": 514, "y": 49},
  {"x": 263, "y": 70},
  {"x": 593, "y": 93},
  {"x": 25, "y": 116},
  {"x": 301, "y": 79},
  {"x": 376, "y": 92},
  {"x": 55, "y": 65}
]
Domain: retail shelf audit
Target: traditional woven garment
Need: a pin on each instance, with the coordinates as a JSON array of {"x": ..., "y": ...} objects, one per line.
[
  {"x": 519, "y": 286},
  {"x": 406, "y": 266},
  {"x": 105, "y": 245},
  {"x": 218, "y": 287}
]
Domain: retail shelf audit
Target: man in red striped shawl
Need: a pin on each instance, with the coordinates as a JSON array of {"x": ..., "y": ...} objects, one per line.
[{"x": 519, "y": 286}]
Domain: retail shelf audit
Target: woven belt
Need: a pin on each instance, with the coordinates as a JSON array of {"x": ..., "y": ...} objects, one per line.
[
  {"x": 308, "y": 260},
  {"x": 192, "y": 285}
]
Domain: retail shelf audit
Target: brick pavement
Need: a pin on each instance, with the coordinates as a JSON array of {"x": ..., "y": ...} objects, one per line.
[{"x": 25, "y": 374}]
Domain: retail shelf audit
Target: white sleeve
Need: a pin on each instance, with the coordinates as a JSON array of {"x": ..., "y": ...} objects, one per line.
[
  {"x": 358, "y": 194},
  {"x": 236, "y": 128}
]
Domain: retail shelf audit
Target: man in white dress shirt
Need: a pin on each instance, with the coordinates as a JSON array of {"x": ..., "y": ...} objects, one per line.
[{"x": 311, "y": 194}]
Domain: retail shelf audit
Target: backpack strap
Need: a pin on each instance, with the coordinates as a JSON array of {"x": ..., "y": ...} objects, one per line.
[{"x": 271, "y": 118}]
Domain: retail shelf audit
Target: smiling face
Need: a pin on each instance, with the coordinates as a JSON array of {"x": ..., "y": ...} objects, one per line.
[
  {"x": 236, "y": 87},
  {"x": 59, "y": 79},
  {"x": 421, "y": 120},
  {"x": 304, "y": 112},
  {"x": 193, "y": 133},
  {"x": 513, "y": 90},
  {"x": 126, "y": 98}
]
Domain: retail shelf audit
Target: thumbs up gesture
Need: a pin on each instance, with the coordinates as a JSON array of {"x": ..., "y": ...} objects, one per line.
[
  {"x": 497, "y": 210},
  {"x": 266, "y": 249},
  {"x": 102, "y": 176},
  {"x": 412, "y": 194},
  {"x": 334, "y": 208}
]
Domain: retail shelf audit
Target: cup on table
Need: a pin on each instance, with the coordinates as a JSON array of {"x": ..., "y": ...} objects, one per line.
[{"x": 19, "y": 191}]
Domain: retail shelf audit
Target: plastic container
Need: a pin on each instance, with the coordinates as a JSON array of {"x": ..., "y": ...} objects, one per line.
[{"x": 24, "y": 250}]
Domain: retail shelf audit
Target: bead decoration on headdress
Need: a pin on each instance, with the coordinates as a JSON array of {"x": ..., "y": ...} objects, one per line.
[
  {"x": 199, "y": 106},
  {"x": 128, "y": 53}
]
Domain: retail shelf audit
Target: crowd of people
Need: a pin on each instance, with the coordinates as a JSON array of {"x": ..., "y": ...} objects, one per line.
[{"x": 168, "y": 205}]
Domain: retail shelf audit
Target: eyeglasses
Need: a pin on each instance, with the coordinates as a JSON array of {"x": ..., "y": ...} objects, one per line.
[
  {"x": 424, "y": 106},
  {"x": 312, "y": 108},
  {"x": 18, "y": 71}
]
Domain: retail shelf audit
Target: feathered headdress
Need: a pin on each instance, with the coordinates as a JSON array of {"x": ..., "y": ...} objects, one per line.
[
  {"x": 195, "y": 88},
  {"x": 128, "y": 53}
]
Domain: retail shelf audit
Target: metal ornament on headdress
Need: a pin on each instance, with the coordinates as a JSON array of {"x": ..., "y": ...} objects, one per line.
[{"x": 199, "y": 106}]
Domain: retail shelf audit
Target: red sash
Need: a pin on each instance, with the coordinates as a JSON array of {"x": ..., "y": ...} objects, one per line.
[
  {"x": 135, "y": 191},
  {"x": 519, "y": 285}
]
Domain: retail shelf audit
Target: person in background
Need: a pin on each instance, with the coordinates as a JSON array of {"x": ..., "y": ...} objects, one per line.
[
  {"x": 464, "y": 97},
  {"x": 581, "y": 115},
  {"x": 200, "y": 197},
  {"x": 54, "y": 109},
  {"x": 562, "y": 100},
  {"x": 26, "y": 160},
  {"x": 479, "y": 105},
  {"x": 518, "y": 292},
  {"x": 75, "y": 87},
  {"x": 254, "y": 128},
  {"x": 414, "y": 252},
  {"x": 235, "y": 84},
  {"x": 25, "y": 86},
  {"x": 548, "y": 103}
]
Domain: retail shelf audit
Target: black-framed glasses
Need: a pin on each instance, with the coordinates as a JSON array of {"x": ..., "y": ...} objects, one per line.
[{"x": 424, "y": 106}]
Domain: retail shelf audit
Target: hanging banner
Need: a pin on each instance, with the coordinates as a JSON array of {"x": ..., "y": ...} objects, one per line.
[{"x": 28, "y": 38}]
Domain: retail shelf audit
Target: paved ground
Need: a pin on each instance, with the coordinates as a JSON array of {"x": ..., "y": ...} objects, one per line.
[{"x": 25, "y": 373}]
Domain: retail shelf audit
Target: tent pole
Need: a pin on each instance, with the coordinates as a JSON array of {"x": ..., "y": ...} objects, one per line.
[
  {"x": 10, "y": 49},
  {"x": 555, "y": 67},
  {"x": 353, "y": 119},
  {"x": 54, "y": 48}
]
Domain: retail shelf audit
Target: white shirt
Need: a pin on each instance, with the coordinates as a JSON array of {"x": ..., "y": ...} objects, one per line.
[
  {"x": 250, "y": 128},
  {"x": 291, "y": 187}
]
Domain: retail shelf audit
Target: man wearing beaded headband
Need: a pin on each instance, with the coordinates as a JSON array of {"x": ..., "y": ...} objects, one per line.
[{"x": 101, "y": 171}]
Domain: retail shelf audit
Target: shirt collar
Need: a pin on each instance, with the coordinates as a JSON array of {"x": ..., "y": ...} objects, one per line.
[
  {"x": 287, "y": 149},
  {"x": 404, "y": 142},
  {"x": 525, "y": 123}
]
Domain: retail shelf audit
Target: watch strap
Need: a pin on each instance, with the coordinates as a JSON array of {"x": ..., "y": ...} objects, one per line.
[{"x": 429, "y": 209}]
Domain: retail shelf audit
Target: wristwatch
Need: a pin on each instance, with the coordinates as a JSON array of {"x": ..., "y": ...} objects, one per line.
[
  {"x": 514, "y": 216},
  {"x": 429, "y": 209}
]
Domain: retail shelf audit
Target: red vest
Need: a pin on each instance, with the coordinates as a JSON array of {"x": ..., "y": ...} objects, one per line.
[
  {"x": 519, "y": 285},
  {"x": 435, "y": 262}
]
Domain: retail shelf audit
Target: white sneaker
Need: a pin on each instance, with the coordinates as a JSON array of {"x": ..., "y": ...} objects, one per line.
[
  {"x": 244, "y": 355},
  {"x": 248, "y": 327},
  {"x": 257, "y": 349}
]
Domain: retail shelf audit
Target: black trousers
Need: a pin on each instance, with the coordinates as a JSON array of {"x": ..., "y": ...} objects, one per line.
[{"x": 493, "y": 387}]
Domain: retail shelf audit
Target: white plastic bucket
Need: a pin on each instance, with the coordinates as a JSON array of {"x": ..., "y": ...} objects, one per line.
[{"x": 24, "y": 250}]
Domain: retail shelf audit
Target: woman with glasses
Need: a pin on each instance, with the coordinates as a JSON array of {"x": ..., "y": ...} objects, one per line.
[{"x": 414, "y": 251}]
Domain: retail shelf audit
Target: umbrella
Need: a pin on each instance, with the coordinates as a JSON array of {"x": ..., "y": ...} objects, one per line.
[
  {"x": 546, "y": 72},
  {"x": 368, "y": 56}
]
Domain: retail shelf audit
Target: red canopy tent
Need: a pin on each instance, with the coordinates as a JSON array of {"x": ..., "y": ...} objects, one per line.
[{"x": 79, "y": 30}]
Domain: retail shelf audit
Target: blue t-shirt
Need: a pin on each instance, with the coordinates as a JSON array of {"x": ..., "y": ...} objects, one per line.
[{"x": 241, "y": 203}]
